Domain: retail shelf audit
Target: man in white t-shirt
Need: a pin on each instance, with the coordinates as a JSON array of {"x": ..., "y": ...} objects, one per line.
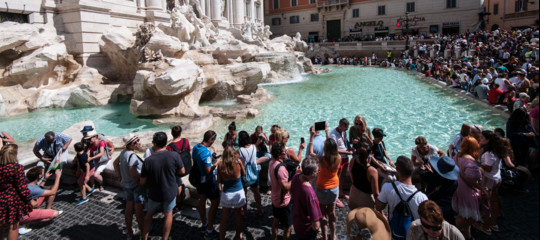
[
  {"x": 388, "y": 195},
  {"x": 502, "y": 81},
  {"x": 339, "y": 134}
]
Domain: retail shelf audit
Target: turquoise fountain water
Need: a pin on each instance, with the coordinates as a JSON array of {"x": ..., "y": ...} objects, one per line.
[
  {"x": 402, "y": 104},
  {"x": 112, "y": 120}
]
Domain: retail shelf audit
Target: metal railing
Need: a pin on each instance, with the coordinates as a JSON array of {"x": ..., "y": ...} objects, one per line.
[{"x": 329, "y": 3}]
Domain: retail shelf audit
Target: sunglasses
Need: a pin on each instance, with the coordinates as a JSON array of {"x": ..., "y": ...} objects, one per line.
[
  {"x": 358, "y": 124},
  {"x": 433, "y": 228}
]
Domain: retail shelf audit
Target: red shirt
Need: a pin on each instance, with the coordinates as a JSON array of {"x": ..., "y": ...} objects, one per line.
[
  {"x": 179, "y": 145},
  {"x": 493, "y": 94}
]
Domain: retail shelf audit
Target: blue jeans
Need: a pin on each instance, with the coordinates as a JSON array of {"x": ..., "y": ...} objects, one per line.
[{"x": 135, "y": 194}]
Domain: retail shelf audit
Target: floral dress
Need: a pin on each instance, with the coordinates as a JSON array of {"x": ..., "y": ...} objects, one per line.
[
  {"x": 14, "y": 194},
  {"x": 466, "y": 200}
]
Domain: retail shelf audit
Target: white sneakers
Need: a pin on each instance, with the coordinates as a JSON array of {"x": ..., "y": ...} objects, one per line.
[{"x": 23, "y": 230}]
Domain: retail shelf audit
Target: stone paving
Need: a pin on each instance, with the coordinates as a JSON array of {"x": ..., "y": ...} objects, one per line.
[{"x": 102, "y": 218}]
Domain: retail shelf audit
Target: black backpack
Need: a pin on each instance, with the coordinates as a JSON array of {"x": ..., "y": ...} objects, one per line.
[
  {"x": 184, "y": 155},
  {"x": 291, "y": 167},
  {"x": 195, "y": 176},
  {"x": 402, "y": 217}
]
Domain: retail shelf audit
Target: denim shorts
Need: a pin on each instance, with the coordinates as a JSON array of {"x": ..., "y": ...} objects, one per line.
[
  {"x": 327, "y": 196},
  {"x": 135, "y": 194},
  {"x": 154, "y": 206}
]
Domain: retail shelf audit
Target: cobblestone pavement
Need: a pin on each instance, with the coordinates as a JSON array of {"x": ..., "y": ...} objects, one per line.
[{"x": 102, "y": 218}]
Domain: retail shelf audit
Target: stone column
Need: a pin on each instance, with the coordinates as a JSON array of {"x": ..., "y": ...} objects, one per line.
[
  {"x": 238, "y": 12},
  {"x": 261, "y": 11},
  {"x": 203, "y": 7},
  {"x": 153, "y": 5},
  {"x": 230, "y": 12},
  {"x": 252, "y": 10},
  {"x": 208, "y": 8},
  {"x": 216, "y": 10}
]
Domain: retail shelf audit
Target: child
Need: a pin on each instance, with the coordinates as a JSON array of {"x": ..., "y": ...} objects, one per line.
[{"x": 85, "y": 169}]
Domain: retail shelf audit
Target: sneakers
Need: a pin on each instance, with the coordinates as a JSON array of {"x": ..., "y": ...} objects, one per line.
[
  {"x": 339, "y": 203},
  {"x": 60, "y": 212},
  {"x": 89, "y": 193},
  {"x": 211, "y": 235},
  {"x": 23, "y": 230},
  {"x": 82, "y": 201}
]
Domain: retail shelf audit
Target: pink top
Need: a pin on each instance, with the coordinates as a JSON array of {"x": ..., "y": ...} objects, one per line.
[{"x": 277, "y": 195}]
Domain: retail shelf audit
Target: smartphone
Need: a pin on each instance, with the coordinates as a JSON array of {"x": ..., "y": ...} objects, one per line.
[
  {"x": 302, "y": 140},
  {"x": 320, "y": 125}
]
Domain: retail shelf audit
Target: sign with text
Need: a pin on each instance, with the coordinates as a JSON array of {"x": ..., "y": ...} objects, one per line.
[{"x": 368, "y": 24}]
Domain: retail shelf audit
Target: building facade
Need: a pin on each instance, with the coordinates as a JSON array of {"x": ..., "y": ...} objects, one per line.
[
  {"x": 83, "y": 22},
  {"x": 333, "y": 20},
  {"x": 509, "y": 14}
]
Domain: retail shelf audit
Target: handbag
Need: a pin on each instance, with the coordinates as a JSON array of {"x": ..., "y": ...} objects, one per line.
[{"x": 106, "y": 155}]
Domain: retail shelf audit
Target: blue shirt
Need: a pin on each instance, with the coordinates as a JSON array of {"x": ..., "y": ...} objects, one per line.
[
  {"x": 203, "y": 158},
  {"x": 35, "y": 191},
  {"x": 318, "y": 145},
  {"x": 51, "y": 149}
]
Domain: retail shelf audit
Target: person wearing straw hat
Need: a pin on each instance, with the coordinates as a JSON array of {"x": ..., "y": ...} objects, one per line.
[
  {"x": 432, "y": 225},
  {"x": 128, "y": 166},
  {"x": 440, "y": 179},
  {"x": 373, "y": 221}
]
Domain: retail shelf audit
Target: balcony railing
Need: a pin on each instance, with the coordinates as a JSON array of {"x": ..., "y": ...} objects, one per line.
[
  {"x": 521, "y": 14},
  {"x": 330, "y": 3}
]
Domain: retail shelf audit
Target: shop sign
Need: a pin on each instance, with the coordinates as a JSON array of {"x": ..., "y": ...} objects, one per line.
[
  {"x": 368, "y": 24},
  {"x": 450, "y": 24}
]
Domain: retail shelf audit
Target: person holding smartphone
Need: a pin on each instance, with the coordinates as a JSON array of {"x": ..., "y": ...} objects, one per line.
[{"x": 339, "y": 134}]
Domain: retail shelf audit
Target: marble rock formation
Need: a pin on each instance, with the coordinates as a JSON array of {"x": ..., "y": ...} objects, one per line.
[
  {"x": 36, "y": 71},
  {"x": 166, "y": 70},
  {"x": 210, "y": 62}
]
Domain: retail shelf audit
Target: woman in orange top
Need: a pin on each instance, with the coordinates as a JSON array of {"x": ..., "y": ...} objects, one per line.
[{"x": 327, "y": 184}]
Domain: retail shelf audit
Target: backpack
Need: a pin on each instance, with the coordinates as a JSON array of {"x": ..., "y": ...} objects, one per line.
[
  {"x": 184, "y": 155},
  {"x": 291, "y": 167},
  {"x": 131, "y": 155},
  {"x": 402, "y": 217},
  {"x": 195, "y": 176},
  {"x": 252, "y": 173}
]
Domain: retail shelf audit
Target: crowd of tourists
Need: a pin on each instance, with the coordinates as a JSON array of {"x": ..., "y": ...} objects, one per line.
[{"x": 432, "y": 194}]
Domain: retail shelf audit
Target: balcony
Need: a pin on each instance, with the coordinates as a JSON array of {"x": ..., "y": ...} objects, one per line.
[
  {"x": 330, "y": 3},
  {"x": 533, "y": 13}
]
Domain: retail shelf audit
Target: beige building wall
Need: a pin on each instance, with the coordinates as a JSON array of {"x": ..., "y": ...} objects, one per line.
[
  {"x": 433, "y": 12},
  {"x": 504, "y": 15}
]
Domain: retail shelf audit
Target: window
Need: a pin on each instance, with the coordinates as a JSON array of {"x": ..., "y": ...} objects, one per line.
[
  {"x": 411, "y": 7},
  {"x": 276, "y": 21},
  {"x": 294, "y": 19},
  {"x": 451, "y": 3},
  {"x": 312, "y": 1},
  {"x": 495, "y": 9},
  {"x": 294, "y": 3},
  {"x": 314, "y": 17},
  {"x": 521, "y": 5},
  {"x": 276, "y": 4},
  {"x": 382, "y": 10},
  {"x": 356, "y": 13},
  {"x": 13, "y": 17}
]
